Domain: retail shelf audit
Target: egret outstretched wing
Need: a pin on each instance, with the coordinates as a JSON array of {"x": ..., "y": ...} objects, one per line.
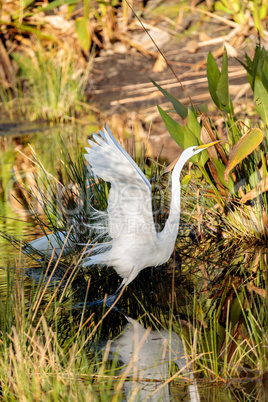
[{"x": 130, "y": 199}]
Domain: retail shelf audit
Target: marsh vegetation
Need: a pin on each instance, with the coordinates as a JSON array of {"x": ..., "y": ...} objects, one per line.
[{"x": 203, "y": 315}]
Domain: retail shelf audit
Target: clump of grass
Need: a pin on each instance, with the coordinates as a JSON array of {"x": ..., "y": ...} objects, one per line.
[
  {"x": 227, "y": 313},
  {"x": 35, "y": 363},
  {"x": 50, "y": 86}
]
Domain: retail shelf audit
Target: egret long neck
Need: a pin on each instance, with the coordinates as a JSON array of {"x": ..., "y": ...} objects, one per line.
[
  {"x": 172, "y": 224},
  {"x": 171, "y": 228}
]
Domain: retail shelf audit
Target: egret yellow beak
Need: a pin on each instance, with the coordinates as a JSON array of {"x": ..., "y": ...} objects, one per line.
[{"x": 204, "y": 146}]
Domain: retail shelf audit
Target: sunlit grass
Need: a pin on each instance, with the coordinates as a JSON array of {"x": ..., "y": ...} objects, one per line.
[
  {"x": 50, "y": 86},
  {"x": 38, "y": 361}
]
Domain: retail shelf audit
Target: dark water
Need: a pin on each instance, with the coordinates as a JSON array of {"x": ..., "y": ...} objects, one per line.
[{"x": 203, "y": 284}]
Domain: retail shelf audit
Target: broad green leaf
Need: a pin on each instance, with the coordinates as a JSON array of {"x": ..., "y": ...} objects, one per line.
[
  {"x": 189, "y": 138},
  {"x": 203, "y": 158},
  {"x": 264, "y": 78},
  {"x": 193, "y": 124},
  {"x": 213, "y": 75},
  {"x": 178, "y": 106},
  {"x": 189, "y": 141},
  {"x": 261, "y": 99},
  {"x": 203, "y": 108},
  {"x": 250, "y": 80},
  {"x": 175, "y": 129},
  {"x": 220, "y": 167},
  {"x": 249, "y": 61},
  {"x": 243, "y": 148},
  {"x": 256, "y": 66},
  {"x": 86, "y": 8},
  {"x": 81, "y": 26},
  {"x": 223, "y": 83}
]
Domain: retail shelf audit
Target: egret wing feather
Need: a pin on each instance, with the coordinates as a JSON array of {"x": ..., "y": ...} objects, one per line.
[
  {"x": 128, "y": 157},
  {"x": 130, "y": 200}
]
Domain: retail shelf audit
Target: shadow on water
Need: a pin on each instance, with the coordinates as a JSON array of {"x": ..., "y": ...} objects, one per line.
[{"x": 200, "y": 320}]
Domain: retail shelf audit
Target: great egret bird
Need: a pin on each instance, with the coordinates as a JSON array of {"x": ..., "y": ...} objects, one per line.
[{"x": 131, "y": 240}]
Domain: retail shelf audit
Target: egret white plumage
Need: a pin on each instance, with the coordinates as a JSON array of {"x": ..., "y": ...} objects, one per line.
[{"x": 132, "y": 242}]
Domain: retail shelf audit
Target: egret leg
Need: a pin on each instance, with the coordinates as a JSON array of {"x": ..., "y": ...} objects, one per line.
[
  {"x": 124, "y": 282},
  {"x": 127, "y": 280}
]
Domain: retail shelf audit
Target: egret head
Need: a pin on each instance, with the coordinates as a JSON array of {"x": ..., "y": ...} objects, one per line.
[
  {"x": 191, "y": 151},
  {"x": 187, "y": 154}
]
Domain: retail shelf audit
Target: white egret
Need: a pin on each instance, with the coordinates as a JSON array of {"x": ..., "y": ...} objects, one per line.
[{"x": 132, "y": 242}]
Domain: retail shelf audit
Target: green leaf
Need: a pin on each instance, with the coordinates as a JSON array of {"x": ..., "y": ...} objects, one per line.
[
  {"x": 250, "y": 80},
  {"x": 193, "y": 124},
  {"x": 223, "y": 83},
  {"x": 263, "y": 11},
  {"x": 264, "y": 77},
  {"x": 178, "y": 106},
  {"x": 203, "y": 158},
  {"x": 190, "y": 140},
  {"x": 243, "y": 148},
  {"x": 213, "y": 75},
  {"x": 261, "y": 99},
  {"x": 86, "y": 8},
  {"x": 185, "y": 180},
  {"x": 81, "y": 26},
  {"x": 220, "y": 167},
  {"x": 57, "y": 3},
  {"x": 249, "y": 61},
  {"x": 26, "y": 3},
  {"x": 175, "y": 129},
  {"x": 195, "y": 128},
  {"x": 203, "y": 108},
  {"x": 256, "y": 66}
]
